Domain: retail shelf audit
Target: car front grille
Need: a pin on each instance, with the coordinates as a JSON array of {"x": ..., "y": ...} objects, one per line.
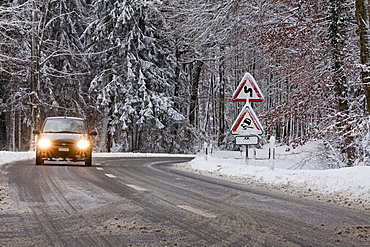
[{"x": 64, "y": 144}]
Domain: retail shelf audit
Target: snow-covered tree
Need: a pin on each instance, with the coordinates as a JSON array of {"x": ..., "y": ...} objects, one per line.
[
  {"x": 42, "y": 54},
  {"x": 133, "y": 83},
  {"x": 57, "y": 74},
  {"x": 338, "y": 24},
  {"x": 207, "y": 40},
  {"x": 159, "y": 75},
  {"x": 290, "y": 49},
  {"x": 14, "y": 107}
]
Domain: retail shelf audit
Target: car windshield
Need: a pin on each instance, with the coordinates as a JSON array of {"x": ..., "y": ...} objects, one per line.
[{"x": 64, "y": 126}]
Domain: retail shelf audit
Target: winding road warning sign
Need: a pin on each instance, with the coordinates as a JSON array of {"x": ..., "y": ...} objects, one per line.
[
  {"x": 248, "y": 90},
  {"x": 247, "y": 123}
]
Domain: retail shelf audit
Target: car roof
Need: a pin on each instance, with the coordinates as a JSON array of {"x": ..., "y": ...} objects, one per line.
[{"x": 74, "y": 118}]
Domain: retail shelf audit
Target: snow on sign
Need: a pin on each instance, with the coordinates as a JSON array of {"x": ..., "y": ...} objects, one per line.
[
  {"x": 247, "y": 123},
  {"x": 248, "y": 89}
]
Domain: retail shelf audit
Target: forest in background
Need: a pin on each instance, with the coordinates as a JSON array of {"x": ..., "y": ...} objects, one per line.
[{"x": 158, "y": 76}]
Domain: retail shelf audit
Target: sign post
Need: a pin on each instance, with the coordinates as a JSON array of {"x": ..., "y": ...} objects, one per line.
[{"x": 247, "y": 127}]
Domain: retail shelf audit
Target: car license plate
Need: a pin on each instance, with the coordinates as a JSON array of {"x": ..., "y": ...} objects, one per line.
[{"x": 64, "y": 149}]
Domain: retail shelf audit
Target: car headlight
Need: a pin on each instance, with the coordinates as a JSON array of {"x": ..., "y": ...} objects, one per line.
[
  {"x": 83, "y": 144},
  {"x": 44, "y": 143}
]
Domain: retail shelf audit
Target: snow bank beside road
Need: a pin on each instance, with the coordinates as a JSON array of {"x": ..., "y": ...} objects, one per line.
[
  {"x": 6, "y": 157},
  {"x": 295, "y": 172}
]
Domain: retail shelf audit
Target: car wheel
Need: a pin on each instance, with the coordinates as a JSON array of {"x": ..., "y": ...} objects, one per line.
[
  {"x": 88, "y": 160},
  {"x": 39, "y": 160}
]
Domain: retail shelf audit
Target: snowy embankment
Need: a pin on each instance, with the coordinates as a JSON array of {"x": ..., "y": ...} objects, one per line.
[
  {"x": 299, "y": 171},
  {"x": 7, "y": 157}
]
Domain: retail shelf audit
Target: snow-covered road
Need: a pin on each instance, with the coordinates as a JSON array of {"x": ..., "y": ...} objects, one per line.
[{"x": 299, "y": 171}]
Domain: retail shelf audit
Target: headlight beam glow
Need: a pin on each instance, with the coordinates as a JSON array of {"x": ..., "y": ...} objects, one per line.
[
  {"x": 83, "y": 144},
  {"x": 44, "y": 143}
]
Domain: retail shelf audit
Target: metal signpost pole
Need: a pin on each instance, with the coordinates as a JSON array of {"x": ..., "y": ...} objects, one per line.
[{"x": 246, "y": 154}]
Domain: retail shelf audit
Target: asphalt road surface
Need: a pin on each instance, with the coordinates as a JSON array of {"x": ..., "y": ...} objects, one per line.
[{"x": 146, "y": 202}]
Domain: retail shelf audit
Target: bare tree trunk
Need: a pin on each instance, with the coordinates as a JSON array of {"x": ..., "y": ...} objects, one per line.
[
  {"x": 32, "y": 89},
  {"x": 337, "y": 35},
  {"x": 13, "y": 126},
  {"x": 20, "y": 130},
  {"x": 33, "y": 79},
  {"x": 197, "y": 68},
  {"x": 104, "y": 132},
  {"x": 362, "y": 15},
  {"x": 221, "y": 116}
]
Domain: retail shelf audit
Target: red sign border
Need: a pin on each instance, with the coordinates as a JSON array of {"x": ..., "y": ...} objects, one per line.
[
  {"x": 246, "y": 109},
  {"x": 254, "y": 86}
]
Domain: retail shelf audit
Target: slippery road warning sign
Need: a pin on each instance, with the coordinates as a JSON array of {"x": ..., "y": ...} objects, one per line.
[
  {"x": 247, "y": 123},
  {"x": 248, "y": 90}
]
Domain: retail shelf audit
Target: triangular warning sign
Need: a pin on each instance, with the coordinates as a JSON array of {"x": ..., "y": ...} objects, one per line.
[
  {"x": 247, "y": 122},
  {"x": 248, "y": 89}
]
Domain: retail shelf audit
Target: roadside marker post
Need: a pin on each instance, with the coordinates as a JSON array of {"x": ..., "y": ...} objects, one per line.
[
  {"x": 272, "y": 153},
  {"x": 205, "y": 147}
]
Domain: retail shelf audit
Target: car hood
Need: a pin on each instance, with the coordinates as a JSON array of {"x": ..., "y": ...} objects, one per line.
[{"x": 63, "y": 137}]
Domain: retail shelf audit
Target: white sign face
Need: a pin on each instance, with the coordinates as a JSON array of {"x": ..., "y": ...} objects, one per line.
[
  {"x": 248, "y": 90},
  {"x": 247, "y": 123},
  {"x": 246, "y": 140}
]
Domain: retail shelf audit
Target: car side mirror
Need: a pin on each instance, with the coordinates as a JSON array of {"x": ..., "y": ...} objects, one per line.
[
  {"x": 93, "y": 133},
  {"x": 36, "y": 132}
]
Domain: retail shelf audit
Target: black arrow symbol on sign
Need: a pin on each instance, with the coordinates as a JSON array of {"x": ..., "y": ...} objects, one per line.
[{"x": 248, "y": 90}]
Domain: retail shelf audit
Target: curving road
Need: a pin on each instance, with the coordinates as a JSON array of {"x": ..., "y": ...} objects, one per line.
[{"x": 146, "y": 202}]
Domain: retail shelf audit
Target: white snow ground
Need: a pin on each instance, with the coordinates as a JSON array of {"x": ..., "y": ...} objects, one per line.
[{"x": 301, "y": 171}]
